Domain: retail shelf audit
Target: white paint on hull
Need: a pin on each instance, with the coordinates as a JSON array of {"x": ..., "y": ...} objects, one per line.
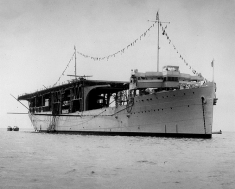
[{"x": 179, "y": 111}]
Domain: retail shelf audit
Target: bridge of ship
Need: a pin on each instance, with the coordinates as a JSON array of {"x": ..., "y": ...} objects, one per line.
[{"x": 169, "y": 79}]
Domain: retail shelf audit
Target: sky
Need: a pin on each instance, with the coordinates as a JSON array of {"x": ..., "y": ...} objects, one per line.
[{"x": 37, "y": 39}]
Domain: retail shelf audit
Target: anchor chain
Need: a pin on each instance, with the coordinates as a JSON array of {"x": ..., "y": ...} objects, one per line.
[{"x": 203, "y": 112}]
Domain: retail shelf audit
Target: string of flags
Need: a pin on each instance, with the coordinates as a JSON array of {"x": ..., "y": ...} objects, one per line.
[
  {"x": 109, "y": 56},
  {"x": 64, "y": 69},
  {"x": 180, "y": 56},
  {"x": 120, "y": 52}
]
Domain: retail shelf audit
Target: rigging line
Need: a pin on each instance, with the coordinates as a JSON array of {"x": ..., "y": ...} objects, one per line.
[
  {"x": 181, "y": 57},
  {"x": 120, "y": 51},
  {"x": 119, "y": 111},
  {"x": 203, "y": 113},
  {"x": 19, "y": 101},
  {"x": 101, "y": 113},
  {"x": 65, "y": 69},
  {"x": 92, "y": 117},
  {"x": 16, "y": 113}
]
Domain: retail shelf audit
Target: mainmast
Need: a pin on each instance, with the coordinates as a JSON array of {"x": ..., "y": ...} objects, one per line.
[
  {"x": 213, "y": 66},
  {"x": 158, "y": 47},
  {"x": 157, "y": 19},
  {"x": 75, "y": 62}
]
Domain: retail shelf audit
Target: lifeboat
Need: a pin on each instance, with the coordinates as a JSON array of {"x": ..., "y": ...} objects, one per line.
[
  {"x": 15, "y": 128},
  {"x": 9, "y": 128}
]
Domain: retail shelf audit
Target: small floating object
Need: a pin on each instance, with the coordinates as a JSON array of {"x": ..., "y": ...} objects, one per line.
[
  {"x": 9, "y": 128},
  {"x": 217, "y": 132},
  {"x": 15, "y": 128}
]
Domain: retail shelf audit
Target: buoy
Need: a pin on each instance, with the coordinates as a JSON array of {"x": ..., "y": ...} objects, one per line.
[
  {"x": 15, "y": 128},
  {"x": 9, "y": 128}
]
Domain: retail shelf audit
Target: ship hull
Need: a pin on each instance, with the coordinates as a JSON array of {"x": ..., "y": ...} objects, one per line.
[{"x": 179, "y": 113}]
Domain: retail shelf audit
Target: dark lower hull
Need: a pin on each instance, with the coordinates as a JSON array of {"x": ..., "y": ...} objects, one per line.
[{"x": 173, "y": 135}]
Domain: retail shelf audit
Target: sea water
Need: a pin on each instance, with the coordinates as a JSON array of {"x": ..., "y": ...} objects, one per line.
[{"x": 39, "y": 160}]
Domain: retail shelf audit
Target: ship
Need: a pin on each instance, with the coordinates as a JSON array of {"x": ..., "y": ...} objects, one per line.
[{"x": 164, "y": 103}]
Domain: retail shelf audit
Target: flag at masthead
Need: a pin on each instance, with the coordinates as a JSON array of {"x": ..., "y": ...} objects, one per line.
[{"x": 157, "y": 16}]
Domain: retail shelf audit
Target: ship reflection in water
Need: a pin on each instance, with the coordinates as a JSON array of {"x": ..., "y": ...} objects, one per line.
[{"x": 41, "y": 160}]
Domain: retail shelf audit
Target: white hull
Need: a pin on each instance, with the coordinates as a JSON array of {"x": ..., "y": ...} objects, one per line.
[{"x": 172, "y": 113}]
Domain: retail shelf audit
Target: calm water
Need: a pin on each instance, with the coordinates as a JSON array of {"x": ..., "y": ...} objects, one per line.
[{"x": 35, "y": 160}]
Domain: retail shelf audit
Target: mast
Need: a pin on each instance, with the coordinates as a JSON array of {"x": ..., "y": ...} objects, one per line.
[
  {"x": 213, "y": 66},
  {"x": 158, "y": 47},
  {"x": 157, "y": 19},
  {"x": 75, "y": 63}
]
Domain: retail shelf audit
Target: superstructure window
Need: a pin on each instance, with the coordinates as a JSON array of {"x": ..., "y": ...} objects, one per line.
[{"x": 170, "y": 79}]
